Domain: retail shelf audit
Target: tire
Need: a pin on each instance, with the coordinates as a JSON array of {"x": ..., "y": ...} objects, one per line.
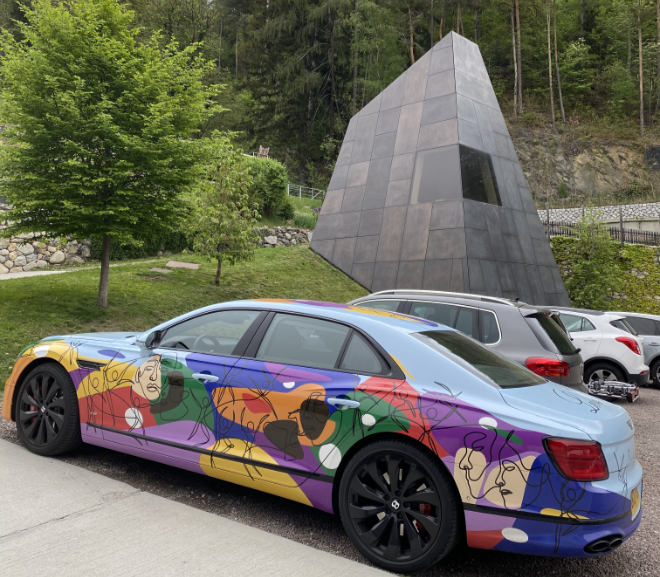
[
  {"x": 603, "y": 370},
  {"x": 47, "y": 417},
  {"x": 655, "y": 373},
  {"x": 398, "y": 506}
]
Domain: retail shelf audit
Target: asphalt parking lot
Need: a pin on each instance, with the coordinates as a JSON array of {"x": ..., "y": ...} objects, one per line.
[{"x": 639, "y": 556}]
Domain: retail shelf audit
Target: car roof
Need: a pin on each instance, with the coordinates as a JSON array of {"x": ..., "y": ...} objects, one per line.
[
  {"x": 361, "y": 317},
  {"x": 640, "y": 315},
  {"x": 431, "y": 294}
]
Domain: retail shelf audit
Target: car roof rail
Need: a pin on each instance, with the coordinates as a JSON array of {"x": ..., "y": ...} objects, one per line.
[{"x": 484, "y": 298}]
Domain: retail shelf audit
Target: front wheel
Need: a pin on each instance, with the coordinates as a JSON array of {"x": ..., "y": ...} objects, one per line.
[
  {"x": 655, "y": 373},
  {"x": 47, "y": 417},
  {"x": 398, "y": 506}
]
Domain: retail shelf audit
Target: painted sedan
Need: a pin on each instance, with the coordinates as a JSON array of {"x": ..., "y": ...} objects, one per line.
[{"x": 415, "y": 435}]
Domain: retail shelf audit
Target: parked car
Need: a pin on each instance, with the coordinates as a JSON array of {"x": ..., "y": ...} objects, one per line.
[
  {"x": 416, "y": 435},
  {"x": 530, "y": 336},
  {"x": 608, "y": 345},
  {"x": 647, "y": 327}
]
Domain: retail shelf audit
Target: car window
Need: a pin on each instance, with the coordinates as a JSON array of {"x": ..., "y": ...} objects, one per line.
[
  {"x": 551, "y": 326},
  {"x": 386, "y": 305},
  {"x": 572, "y": 323},
  {"x": 361, "y": 358},
  {"x": 305, "y": 341},
  {"x": 642, "y": 326},
  {"x": 215, "y": 333},
  {"x": 476, "y": 357},
  {"x": 439, "y": 312},
  {"x": 489, "y": 330},
  {"x": 624, "y": 325},
  {"x": 465, "y": 320}
]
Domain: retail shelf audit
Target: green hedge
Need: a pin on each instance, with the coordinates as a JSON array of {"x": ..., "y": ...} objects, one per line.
[{"x": 174, "y": 241}]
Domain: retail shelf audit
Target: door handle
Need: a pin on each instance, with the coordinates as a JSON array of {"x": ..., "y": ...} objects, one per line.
[
  {"x": 348, "y": 403},
  {"x": 205, "y": 377}
]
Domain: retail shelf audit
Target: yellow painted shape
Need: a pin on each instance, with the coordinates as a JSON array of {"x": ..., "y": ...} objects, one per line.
[
  {"x": 402, "y": 367},
  {"x": 254, "y": 477},
  {"x": 557, "y": 513}
]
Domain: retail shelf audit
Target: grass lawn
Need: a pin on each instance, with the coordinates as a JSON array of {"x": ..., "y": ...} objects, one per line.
[{"x": 35, "y": 307}]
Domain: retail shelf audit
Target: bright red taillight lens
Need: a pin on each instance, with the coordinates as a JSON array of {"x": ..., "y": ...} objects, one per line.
[
  {"x": 548, "y": 367},
  {"x": 630, "y": 343},
  {"x": 578, "y": 460}
]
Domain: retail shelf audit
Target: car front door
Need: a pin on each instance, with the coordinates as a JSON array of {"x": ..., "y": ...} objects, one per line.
[{"x": 164, "y": 404}]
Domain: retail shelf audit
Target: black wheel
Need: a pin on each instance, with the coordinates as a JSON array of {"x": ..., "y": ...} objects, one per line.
[
  {"x": 47, "y": 418},
  {"x": 655, "y": 373},
  {"x": 603, "y": 371},
  {"x": 398, "y": 506}
]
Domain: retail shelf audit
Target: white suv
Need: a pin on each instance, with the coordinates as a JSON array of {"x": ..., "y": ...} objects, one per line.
[
  {"x": 648, "y": 329},
  {"x": 608, "y": 345}
]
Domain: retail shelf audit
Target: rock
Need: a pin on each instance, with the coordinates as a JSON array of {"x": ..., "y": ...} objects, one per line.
[
  {"x": 20, "y": 261},
  {"x": 57, "y": 257},
  {"x": 85, "y": 252},
  {"x": 271, "y": 240},
  {"x": 4, "y": 243},
  {"x": 34, "y": 264},
  {"x": 3, "y": 269}
]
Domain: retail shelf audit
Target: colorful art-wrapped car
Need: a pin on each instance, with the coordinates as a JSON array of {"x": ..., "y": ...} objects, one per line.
[{"x": 415, "y": 435}]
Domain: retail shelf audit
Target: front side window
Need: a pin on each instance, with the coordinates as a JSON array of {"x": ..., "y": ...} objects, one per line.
[
  {"x": 575, "y": 324},
  {"x": 304, "y": 341},
  {"x": 214, "y": 333},
  {"x": 476, "y": 357}
]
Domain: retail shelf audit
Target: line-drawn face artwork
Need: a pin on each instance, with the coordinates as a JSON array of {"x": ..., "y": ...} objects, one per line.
[{"x": 147, "y": 381}]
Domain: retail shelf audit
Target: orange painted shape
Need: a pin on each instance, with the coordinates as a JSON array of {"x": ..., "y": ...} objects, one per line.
[{"x": 484, "y": 539}]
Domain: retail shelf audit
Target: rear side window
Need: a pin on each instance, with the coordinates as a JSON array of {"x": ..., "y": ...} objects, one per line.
[
  {"x": 305, "y": 341},
  {"x": 644, "y": 326},
  {"x": 489, "y": 331},
  {"x": 550, "y": 327},
  {"x": 361, "y": 358},
  {"x": 387, "y": 305},
  {"x": 476, "y": 357},
  {"x": 624, "y": 326}
]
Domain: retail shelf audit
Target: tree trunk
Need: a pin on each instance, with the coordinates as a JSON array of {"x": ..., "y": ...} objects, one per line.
[
  {"x": 641, "y": 67},
  {"x": 550, "y": 83},
  {"x": 561, "y": 96},
  {"x": 333, "y": 80},
  {"x": 515, "y": 61},
  {"x": 432, "y": 24},
  {"x": 218, "y": 271},
  {"x": 411, "y": 34},
  {"x": 475, "y": 8},
  {"x": 459, "y": 19},
  {"x": 443, "y": 8},
  {"x": 102, "y": 301},
  {"x": 519, "y": 56},
  {"x": 354, "y": 107},
  {"x": 657, "y": 39}
]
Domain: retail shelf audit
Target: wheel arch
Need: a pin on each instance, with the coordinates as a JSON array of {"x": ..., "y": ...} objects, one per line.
[
  {"x": 609, "y": 361},
  {"x": 400, "y": 437},
  {"x": 26, "y": 371}
]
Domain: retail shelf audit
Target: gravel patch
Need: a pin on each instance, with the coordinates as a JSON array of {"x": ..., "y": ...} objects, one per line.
[{"x": 638, "y": 557}]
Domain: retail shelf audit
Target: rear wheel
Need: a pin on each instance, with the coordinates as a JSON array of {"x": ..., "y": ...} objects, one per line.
[
  {"x": 655, "y": 373},
  {"x": 47, "y": 417},
  {"x": 603, "y": 371},
  {"x": 398, "y": 506}
]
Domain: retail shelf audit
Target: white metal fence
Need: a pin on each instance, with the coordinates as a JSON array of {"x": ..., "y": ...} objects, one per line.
[{"x": 304, "y": 191}]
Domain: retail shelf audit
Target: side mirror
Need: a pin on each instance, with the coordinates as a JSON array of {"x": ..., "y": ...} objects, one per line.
[{"x": 153, "y": 339}]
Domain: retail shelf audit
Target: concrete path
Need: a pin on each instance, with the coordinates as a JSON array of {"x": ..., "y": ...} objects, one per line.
[{"x": 57, "y": 519}]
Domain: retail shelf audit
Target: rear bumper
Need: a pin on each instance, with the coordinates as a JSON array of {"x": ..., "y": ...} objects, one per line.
[
  {"x": 639, "y": 380},
  {"x": 562, "y": 537}
]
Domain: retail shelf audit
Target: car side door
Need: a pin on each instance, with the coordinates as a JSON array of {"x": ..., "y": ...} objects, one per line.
[
  {"x": 166, "y": 406},
  {"x": 584, "y": 333}
]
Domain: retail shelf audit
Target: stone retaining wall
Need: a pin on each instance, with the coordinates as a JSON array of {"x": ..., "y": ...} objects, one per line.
[
  {"x": 26, "y": 252},
  {"x": 648, "y": 211}
]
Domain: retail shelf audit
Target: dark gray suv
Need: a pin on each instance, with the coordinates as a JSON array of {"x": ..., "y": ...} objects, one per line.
[{"x": 530, "y": 335}]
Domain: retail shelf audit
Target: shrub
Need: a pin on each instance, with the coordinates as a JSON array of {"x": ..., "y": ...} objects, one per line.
[{"x": 268, "y": 190}]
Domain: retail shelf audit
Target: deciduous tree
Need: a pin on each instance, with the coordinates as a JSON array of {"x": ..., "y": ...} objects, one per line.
[{"x": 100, "y": 126}]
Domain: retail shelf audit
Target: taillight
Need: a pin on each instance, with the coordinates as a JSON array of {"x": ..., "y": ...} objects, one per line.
[
  {"x": 548, "y": 367},
  {"x": 578, "y": 460},
  {"x": 630, "y": 343}
]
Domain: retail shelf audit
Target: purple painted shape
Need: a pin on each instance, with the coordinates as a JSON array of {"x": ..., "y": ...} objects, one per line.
[
  {"x": 283, "y": 374},
  {"x": 475, "y": 521},
  {"x": 78, "y": 375},
  {"x": 318, "y": 492},
  {"x": 185, "y": 432}
]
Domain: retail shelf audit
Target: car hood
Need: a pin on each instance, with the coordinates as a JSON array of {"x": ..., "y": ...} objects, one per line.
[
  {"x": 599, "y": 420},
  {"x": 114, "y": 338}
]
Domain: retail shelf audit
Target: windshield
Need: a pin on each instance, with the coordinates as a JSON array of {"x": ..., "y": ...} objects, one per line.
[{"x": 467, "y": 351}]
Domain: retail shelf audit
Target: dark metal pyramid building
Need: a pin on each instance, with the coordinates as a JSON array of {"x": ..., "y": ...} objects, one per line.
[{"x": 428, "y": 193}]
